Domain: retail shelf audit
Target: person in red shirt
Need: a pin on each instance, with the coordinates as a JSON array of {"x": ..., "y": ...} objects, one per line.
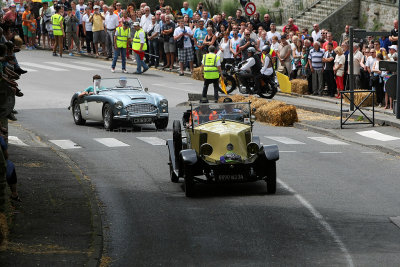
[
  {"x": 329, "y": 39},
  {"x": 291, "y": 26},
  {"x": 11, "y": 15}
]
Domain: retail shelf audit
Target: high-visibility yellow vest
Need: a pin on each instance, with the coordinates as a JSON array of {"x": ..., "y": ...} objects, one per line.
[
  {"x": 210, "y": 66},
  {"x": 136, "y": 41},
  {"x": 270, "y": 53},
  {"x": 56, "y": 20},
  {"x": 122, "y": 37}
]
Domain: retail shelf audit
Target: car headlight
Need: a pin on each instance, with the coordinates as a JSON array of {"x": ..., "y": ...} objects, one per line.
[
  {"x": 164, "y": 103},
  {"x": 206, "y": 149},
  {"x": 252, "y": 148},
  {"x": 119, "y": 105}
]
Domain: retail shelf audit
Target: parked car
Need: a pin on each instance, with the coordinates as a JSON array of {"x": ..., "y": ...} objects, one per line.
[
  {"x": 123, "y": 99},
  {"x": 218, "y": 146}
]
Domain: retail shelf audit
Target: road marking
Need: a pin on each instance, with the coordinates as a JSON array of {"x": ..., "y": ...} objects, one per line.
[
  {"x": 90, "y": 64},
  {"x": 370, "y": 152},
  {"x": 41, "y": 66},
  {"x": 110, "y": 142},
  {"x": 328, "y": 141},
  {"x": 170, "y": 87},
  {"x": 322, "y": 221},
  {"x": 395, "y": 220},
  {"x": 16, "y": 141},
  {"x": 65, "y": 144},
  {"x": 287, "y": 151},
  {"x": 378, "y": 136},
  {"x": 330, "y": 152},
  {"x": 155, "y": 141},
  {"x": 285, "y": 140},
  {"x": 185, "y": 83},
  {"x": 69, "y": 66}
]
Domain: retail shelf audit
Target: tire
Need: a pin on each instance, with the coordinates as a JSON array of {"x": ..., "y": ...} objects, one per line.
[
  {"x": 189, "y": 184},
  {"x": 177, "y": 138},
  {"x": 271, "y": 177},
  {"x": 161, "y": 124},
  {"x": 172, "y": 174},
  {"x": 267, "y": 92},
  {"x": 109, "y": 122},
  {"x": 230, "y": 84},
  {"x": 76, "y": 114}
]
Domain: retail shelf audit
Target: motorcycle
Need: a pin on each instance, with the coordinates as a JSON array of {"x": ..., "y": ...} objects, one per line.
[{"x": 232, "y": 82}]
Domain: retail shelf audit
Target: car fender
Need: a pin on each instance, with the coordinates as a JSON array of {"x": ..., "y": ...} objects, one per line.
[
  {"x": 188, "y": 156},
  {"x": 271, "y": 152}
]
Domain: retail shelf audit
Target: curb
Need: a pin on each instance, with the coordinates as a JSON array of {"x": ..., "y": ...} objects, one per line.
[{"x": 323, "y": 131}]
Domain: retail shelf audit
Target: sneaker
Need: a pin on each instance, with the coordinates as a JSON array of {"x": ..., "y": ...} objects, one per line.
[
  {"x": 81, "y": 52},
  {"x": 124, "y": 71},
  {"x": 55, "y": 54},
  {"x": 181, "y": 74},
  {"x": 70, "y": 54},
  {"x": 112, "y": 70},
  {"x": 145, "y": 70}
]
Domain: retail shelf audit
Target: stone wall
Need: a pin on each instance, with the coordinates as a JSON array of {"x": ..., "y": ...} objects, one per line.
[{"x": 377, "y": 15}]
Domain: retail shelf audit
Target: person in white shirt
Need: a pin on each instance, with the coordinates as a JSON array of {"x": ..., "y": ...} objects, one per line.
[
  {"x": 267, "y": 71},
  {"x": 87, "y": 29},
  {"x": 111, "y": 23},
  {"x": 145, "y": 20},
  {"x": 273, "y": 33},
  {"x": 316, "y": 33},
  {"x": 185, "y": 53},
  {"x": 81, "y": 8},
  {"x": 357, "y": 63}
]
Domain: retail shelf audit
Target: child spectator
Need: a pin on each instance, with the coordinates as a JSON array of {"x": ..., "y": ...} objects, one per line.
[
  {"x": 32, "y": 31},
  {"x": 25, "y": 23}
]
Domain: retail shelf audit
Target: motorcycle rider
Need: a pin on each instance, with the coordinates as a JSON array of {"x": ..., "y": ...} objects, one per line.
[
  {"x": 251, "y": 69},
  {"x": 267, "y": 71}
]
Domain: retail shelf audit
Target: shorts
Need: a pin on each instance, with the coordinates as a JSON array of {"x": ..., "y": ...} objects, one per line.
[
  {"x": 99, "y": 37},
  {"x": 43, "y": 28},
  {"x": 169, "y": 48},
  {"x": 185, "y": 54},
  {"x": 31, "y": 34},
  {"x": 81, "y": 33},
  {"x": 25, "y": 30}
]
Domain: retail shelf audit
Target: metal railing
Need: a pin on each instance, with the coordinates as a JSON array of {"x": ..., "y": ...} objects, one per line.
[{"x": 348, "y": 95}]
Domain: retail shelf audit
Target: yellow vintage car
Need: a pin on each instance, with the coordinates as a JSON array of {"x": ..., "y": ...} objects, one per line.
[{"x": 218, "y": 146}]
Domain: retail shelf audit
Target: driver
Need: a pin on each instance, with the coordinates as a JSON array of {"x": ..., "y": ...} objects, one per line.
[
  {"x": 90, "y": 90},
  {"x": 123, "y": 82},
  {"x": 230, "y": 113},
  {"x": 204, "y": 113},
  {"x": 251, "y": 69}
]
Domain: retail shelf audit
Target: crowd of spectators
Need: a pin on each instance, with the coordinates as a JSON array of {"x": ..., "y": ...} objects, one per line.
[{"x": 316, "y": 57}]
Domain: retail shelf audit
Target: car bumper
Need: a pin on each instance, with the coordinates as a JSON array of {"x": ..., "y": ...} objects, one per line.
[{"x": 136, "y": 116}]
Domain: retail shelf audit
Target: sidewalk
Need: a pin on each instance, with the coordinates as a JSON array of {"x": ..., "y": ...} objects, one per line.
[{"x": 58, "y": 222}]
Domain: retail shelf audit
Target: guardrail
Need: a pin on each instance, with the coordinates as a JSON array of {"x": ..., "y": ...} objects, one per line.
[{"x": 350, "y": 96}]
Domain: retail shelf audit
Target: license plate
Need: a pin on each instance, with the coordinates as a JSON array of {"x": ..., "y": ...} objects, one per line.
[
  {"x": 142, "y": 120},
  {"x": 230, "y": 177}
]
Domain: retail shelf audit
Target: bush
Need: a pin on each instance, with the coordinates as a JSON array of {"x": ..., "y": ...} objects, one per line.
[
  {"x": 230, "y": 7},
  {"x": 262, "y": 10}
]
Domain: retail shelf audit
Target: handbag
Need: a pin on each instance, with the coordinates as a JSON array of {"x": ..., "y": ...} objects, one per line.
[{"x": 180, "y": 43}]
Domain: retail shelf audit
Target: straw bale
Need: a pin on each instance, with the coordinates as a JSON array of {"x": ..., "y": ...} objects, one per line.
[
  {"x": 283, "y": 116},
  {"x": 358, "y": 98},
  {"x": 263, "y": 112},
  {"x": 299, "y": 86},
  {"x": 198, "y": 74},
  {"x": 3, "y": 231}
]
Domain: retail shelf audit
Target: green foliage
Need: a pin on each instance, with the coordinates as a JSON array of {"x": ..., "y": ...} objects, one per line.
[
  {"x": 363, "y": 21},
  {"x": 377, "y": 25},
  {"x": 230, "y": 7},
  {"x": 262, "y": 10},
  {"x": 360, "y": 118},
  {"x": 277, "y": 3}
]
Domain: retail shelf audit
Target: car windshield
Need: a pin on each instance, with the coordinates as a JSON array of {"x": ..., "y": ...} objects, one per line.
[
  {"x": 119, "y": 84},
  {"x": 203, "y": 113}
]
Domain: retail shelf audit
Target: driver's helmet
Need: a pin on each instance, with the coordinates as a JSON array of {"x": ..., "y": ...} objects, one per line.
[
  {"x": 266, "y": 49},
  {"x": 123, "y": 81},
  {"x": 251, "y": 50}
]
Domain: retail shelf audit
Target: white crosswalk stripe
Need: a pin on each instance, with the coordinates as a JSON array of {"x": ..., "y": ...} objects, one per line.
[
  {"x": 110, "y": 142},
  {"x": 378, "y": 136},
  {"x": 285, "y": 140},
  {"x": 65, "y": 65},
  {"x": 15, "y": 141},
  {"x": 65, "y": 144},
  {"x": 328, "y": 141},
  {"x": 90, "y": 64},
  {"x": 155, "y": 141},
  {"x": 40, "y": 66}
]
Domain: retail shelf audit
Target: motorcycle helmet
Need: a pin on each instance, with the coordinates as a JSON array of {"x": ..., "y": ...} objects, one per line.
[
  {"x": 251, "y": 50},
  {"x": 266, "y": 48}
]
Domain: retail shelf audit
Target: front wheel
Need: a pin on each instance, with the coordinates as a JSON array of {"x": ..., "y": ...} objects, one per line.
[
  {"x": 189, "y": 183},
  {"x": 267, "y": 91},
  {"x": 271, "y": 177},
  {"x": 230, "y": 84},
  {"x": 161, "y": 124},
  {"x": 77, "y": 114},
  {"x": 108, "y": 117}
]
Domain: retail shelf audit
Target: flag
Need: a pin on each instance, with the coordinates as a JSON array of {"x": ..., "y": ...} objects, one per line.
[{"x": 223, "y": 87}]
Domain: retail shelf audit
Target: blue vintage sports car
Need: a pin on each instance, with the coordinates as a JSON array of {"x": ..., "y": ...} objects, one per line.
[{"x": 124, "y": 99}]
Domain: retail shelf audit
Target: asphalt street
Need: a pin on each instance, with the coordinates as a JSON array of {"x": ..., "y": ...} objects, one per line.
[{"x": 332, "y": 207}]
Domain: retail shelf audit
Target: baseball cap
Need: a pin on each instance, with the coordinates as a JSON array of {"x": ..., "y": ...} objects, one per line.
[
  {"x": 136, "y": 24},
  {"x": 393, "y": 47},
  {"x": 96, "y": 7}
]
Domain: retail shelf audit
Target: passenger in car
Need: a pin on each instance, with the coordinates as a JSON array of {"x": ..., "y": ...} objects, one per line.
[
  {"x": 90, "y": 89},
  {"x": 229, "y": 112},
  {"x": 203, "y": 114}
]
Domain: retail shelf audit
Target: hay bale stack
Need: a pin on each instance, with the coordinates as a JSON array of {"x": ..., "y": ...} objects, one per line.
[
  {"x": 358, "y": 98},
  {"x": 263, "y": 112},
  {"x": 299, "y": 86},
  {"x": 283, "y": 116},
  {"x": 198, "y": 74}
]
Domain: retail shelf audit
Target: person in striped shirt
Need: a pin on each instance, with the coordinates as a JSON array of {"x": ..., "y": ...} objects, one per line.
[{"x": 316, "y": 66}]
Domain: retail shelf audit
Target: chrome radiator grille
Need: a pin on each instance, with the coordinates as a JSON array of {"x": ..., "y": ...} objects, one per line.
[{"x": 141, "y": 108}]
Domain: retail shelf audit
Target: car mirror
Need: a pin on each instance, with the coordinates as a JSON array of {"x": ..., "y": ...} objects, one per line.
[
  {"x": 146, "y": 89},
  {"x": 252, "y": 118}
]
